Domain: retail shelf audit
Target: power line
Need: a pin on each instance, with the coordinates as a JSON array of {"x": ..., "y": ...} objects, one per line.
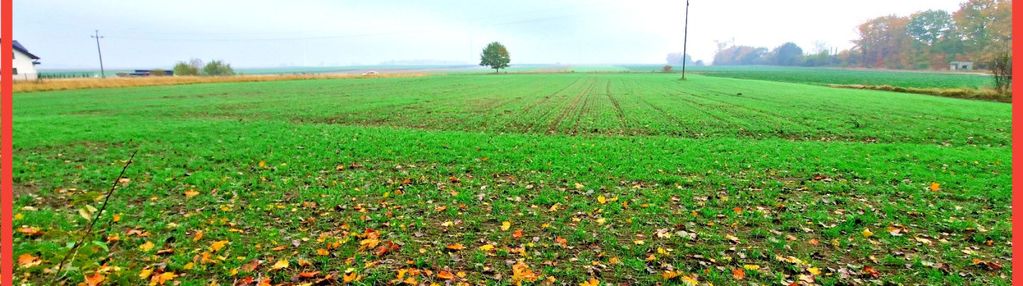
[{"x": 328, "y": 37}]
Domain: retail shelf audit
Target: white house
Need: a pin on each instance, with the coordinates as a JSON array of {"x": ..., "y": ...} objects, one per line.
[
  {"x": 960, "y": 66},
  {"x": 24, "y": 63}
]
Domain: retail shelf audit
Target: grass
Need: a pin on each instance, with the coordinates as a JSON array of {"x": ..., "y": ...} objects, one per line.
[
  {"x": 825, "y": 76},
  {"x": 967, "y": 93},
  {"x": 624, "y": 178},
  {"x": 118, "y": 82}
]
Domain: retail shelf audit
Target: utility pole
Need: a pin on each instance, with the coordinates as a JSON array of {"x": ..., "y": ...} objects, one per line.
[
  {"x": 685, "y": 41},
  {"x": 102, "y": 72}
]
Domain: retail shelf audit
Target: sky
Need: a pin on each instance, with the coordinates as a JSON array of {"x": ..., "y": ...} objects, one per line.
[{"x": 271, "y": 33}]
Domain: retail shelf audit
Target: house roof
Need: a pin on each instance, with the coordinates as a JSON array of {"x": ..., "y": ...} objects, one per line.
[{"x": 22, "y": 49}]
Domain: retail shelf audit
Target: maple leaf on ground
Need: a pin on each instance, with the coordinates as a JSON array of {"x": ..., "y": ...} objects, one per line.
[
  {"x": 561, "y": 241},
  {"x": 517, "y": 233},
  {"x": 368, "y": 243},
  {"x": 522, "y": 273},
  {"x": 94, "y": 279},
  {"x": 446, "y": 275},
  {"x": 591, "y": 282},
  {"x": 30, "y": 231},
  {"x": 871, "y": 272},
  {"x": 738, "y": 273},
  {"x": 935, "y": 187},
  {"x": 251, "y": 266},
  {"x": 163, "y": 278},
  {"x": 455, "y": 246},
  {"x": 386, "y": 247},
  {"x": 27, "y": 260},
  {"x": 987, "y": 265}
]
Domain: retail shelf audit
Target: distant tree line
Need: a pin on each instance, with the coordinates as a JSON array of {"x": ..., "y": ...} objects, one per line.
[
  {"x": 980, "y": 32},
  {"x": 675, "y": 59},
  {"x": 788, "y": 54},
  {"x": 195, "y": 67}
]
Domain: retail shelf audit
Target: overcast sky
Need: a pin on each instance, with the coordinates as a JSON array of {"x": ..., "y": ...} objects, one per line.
[{"x": 271, "y": 33}]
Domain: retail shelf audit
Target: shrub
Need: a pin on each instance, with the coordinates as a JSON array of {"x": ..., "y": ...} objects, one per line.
[
  {"x": 185, "y": 69},
  {"x": 666, "y": 68},
  {"x": 217, "y": 68}
]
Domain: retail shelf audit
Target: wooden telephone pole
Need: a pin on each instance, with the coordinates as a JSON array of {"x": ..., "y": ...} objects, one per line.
[
  {"x": 685, "y": 41},
  {"x": 102, "y": 73}
]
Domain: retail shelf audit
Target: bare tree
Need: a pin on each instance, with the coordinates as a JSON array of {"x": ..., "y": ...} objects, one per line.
[{"x": 1001, "y": 67}]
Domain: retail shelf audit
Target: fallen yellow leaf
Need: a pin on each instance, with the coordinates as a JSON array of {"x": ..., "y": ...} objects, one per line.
[
  {"x": 281, "y": 264},
  {"x": 218, "y": 245},
  {"x": 506, "y": 225},
  {"x": 163, "y": 278},
  {"x": 668, "y": 275},
  {"x": 867, "y": 232},
  {"x": 146, "y": 247},
  {"x": 145, "y": 273},
  {"x": 350, "y": 277}
]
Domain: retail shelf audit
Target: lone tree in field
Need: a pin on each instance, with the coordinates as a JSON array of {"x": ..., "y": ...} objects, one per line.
[{"x": 495, "y": 56}]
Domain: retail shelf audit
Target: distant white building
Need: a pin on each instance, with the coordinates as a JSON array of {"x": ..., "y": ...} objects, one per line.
[
  {"x": 24, "y": 63},
  {"x": 960, "y": 66}
]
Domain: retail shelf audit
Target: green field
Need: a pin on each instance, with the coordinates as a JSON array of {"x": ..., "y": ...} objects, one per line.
[
  {"x": 826, "y": 76},
  {"x": 620, "y": 177}
]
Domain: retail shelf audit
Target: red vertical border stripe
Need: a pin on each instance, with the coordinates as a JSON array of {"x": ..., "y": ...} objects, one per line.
[
  {"x": 1017, "y": 160},
  {"x": 7, "y": 148}
]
